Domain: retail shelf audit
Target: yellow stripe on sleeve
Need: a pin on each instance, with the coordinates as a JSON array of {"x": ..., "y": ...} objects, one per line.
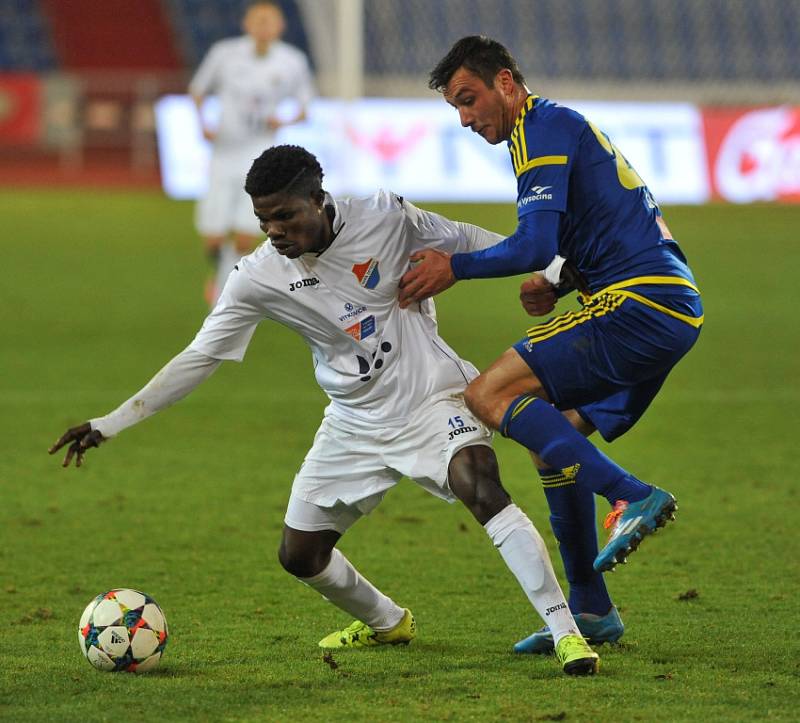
[{"x": 543, "y": 161}]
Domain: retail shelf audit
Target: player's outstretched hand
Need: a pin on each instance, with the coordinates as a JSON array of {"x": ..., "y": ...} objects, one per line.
[
  {"x": 538, "y": 295},
  {"x": 79, "y": 439},
  {"x": 431, "y": 275}
]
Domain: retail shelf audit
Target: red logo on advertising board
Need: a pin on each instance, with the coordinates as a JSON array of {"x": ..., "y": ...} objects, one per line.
[
  {"x": 387, "y": 143},
  {"x": 20, "y": 107},
  {"x": 754, "y": 153}
]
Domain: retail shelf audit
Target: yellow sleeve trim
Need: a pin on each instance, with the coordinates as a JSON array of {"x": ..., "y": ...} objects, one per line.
[{"x": 543, "y": 161}]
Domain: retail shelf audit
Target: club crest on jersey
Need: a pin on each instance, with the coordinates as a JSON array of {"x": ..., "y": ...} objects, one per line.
[{"x": 367, "y": 273}]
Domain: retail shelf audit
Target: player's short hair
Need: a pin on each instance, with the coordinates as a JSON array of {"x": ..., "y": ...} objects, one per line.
[
  {"x": 258, "y": 3},
  {"x": 285, "y": 169},
  {"x": 478, "y": 54}
]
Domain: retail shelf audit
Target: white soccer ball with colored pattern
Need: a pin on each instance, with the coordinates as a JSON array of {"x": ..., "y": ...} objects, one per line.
[{"x": 123, "y": 629}]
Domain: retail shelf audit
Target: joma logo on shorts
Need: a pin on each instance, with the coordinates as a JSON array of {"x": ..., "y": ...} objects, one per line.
[
  {"x": 560, "y": 606},
  {"x": 295, "y": 285},
  {"x": 460, "y": 430}
]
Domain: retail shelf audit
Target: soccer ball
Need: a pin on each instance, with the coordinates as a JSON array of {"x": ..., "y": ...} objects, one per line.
[{"x": 123, "y": 629}]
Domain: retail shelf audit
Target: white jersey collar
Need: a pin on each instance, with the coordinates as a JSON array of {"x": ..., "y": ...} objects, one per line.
[
  {"x": 337, "y": 224},
  {"x": 337, "y": 217}
]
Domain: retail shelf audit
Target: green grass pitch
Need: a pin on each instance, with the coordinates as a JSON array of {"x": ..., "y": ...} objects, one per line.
[{"x": 100, "y": 289}]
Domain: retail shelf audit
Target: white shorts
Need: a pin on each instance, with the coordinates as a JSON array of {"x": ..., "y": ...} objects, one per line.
[
  {"x": 226, "y": 207},
  {"x": 348, "y": 472}
]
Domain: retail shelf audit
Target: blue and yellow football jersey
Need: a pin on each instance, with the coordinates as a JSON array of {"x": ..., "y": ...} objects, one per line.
[{"x": 610, "y": 226}]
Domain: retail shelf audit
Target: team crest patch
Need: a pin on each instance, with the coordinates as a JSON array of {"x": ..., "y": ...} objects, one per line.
[{"x": 367, "y": 273}]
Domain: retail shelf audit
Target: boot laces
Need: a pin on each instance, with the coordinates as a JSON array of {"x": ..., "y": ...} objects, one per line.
[{"x": 613, "y": 517}]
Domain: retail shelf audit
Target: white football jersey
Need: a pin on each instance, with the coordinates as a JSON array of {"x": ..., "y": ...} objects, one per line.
[
  {"x": 251, "y": 86},
  {"x": 376, "y": 361}
]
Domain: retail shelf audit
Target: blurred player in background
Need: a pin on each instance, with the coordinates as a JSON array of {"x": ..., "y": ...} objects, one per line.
[
  {"x": 251, "y": 75},
  {"x": 331, "y": 271},
  {"x": 596, "y": 369}
]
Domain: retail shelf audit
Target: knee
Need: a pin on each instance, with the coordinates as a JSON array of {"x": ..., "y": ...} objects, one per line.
[
  {"x": 305, "y": 554},
  {"x": 293, "y": 563},
  {"x": 213, "y": 243},
  {"x": 480, "y": 402},
  {"x": 301, "y": 562}
]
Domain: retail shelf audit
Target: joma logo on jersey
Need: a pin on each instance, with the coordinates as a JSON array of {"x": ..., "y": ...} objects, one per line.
[
  {"x": 295, "y": 285},
  {"x": 537, "y": 194}
]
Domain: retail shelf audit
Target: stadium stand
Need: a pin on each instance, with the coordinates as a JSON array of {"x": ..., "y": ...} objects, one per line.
[
  {"x": 120, "y": 35},
  {"x": 95, "y": 68},
  {"x": 25, "y": 39},
  {"x": 621, "y": 42},
  {"x": 604, "y": 40},
  {"x": 198, "y": 24}
]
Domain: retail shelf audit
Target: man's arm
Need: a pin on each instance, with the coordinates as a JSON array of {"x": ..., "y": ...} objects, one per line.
[
  {"x": 180, "y": 376},
  {"x": 202, "y": 84},
  {"x": 303, "y": 93},
  {"x": 532, "y": 246},
  {"x": 208, "y": 133}
]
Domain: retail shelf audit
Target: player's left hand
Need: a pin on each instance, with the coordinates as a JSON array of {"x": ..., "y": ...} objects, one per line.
[
  {"x": 82, "y": 438},
  {"x": 432, "y": 275}
]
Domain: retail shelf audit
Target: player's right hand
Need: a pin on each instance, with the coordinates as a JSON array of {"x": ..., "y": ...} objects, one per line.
[
  {"x": 538, "y": 295},
  {"x": 80, "y": 439}
]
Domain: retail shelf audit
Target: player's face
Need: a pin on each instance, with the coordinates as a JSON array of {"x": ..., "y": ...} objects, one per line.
[
  {"x": 484, "y": 110},
  {"x": 263, "y": 23},
  {"x": 295, "y": 225}
]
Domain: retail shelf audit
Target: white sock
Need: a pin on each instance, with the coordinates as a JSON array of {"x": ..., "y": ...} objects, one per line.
[
  {"x": 524, "y": 551},
  {"x": 346, "y": 588}
]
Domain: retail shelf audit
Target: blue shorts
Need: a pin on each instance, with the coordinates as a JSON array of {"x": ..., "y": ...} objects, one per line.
[{"x": 608, "y": 360}]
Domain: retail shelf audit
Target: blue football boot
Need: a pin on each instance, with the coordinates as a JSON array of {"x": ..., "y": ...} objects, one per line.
[
  {"x": 595, "y": 628},
  {"x": 630, "y": 523}
]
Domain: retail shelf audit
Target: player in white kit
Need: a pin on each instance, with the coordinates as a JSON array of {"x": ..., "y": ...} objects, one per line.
[
  {"x": 251, "y": 75},
  {"x": 330, "y": 270}
]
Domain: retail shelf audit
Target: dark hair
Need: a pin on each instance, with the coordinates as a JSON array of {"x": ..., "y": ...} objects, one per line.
[
  {"x": 257, "y": 3},
  {"x": 288, "y": 169},
  {"x": 478, "y": 54}
]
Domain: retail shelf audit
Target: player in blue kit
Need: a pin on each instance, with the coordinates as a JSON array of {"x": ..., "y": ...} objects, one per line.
[{"x": 595, "y": 369}]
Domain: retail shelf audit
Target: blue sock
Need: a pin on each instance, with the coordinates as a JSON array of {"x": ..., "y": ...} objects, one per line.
[
  {"x": 572, "y": 518},
  {"x": 541, "y": 428}
]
